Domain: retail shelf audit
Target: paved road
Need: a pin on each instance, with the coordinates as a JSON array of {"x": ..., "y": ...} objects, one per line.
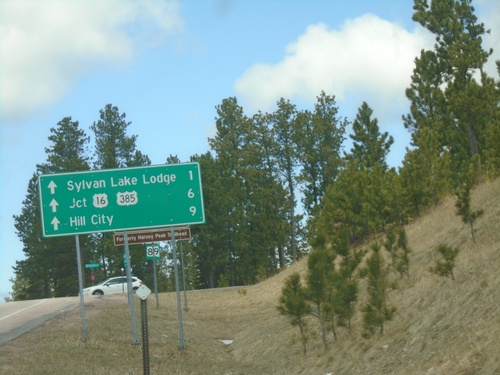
[{"x": 17, "y": 318}]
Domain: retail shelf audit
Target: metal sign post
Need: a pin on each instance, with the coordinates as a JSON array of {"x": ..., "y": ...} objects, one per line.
[
  {"x": 143, "y": 292},
  {"x": 182, "y": 346},
  {"x": 80, "y": 286},
  {"x": 153, "y": 253},
  {"x": 131, "y": 294},
  {"x": 145, "y": 336},
  {"x": 184, "y": 280},
  {"x": 156, "y": 284}
]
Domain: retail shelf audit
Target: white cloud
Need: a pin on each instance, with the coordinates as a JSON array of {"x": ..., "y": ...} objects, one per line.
[
  {"x": 47, "y": 45},
  {"x": 367, "y": 55}
]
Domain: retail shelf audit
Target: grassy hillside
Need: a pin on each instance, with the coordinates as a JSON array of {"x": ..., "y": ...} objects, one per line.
[{"x": 441, "y": 326}]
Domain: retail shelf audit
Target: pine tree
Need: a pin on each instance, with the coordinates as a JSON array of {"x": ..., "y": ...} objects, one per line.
[
  {"x": 68, "y": 152},
  {"x": 321, "y": 134},
  {"x": 360, "y": 198},
  {"x": 403, "y": 262},
  {"x": 293, "y": 304},
  {"x": 32, "y": 271},
  {"x": 210, "y": 253},
  {"x": 370, "y": 146},
  {"x": 49, "y": 269},
  {"x": 319, "y": 286},
  {"x": 390, "y": 246},
  {"x": 285, "y": 123},
  {"x": 115, "y": 149},
  {"x": 377, "y": 309},
  {"x": 229, "y": 145},
  {"x": 445, "y": 265},
  {"x": 346, "y": 283},
  {"x": 343, "y": 205},
  {"x": 273, "y": 200},
  {"x": 463, "y": 203},
  {"x": 450, "y": 91},
  {"x": 426, "y": 175}
]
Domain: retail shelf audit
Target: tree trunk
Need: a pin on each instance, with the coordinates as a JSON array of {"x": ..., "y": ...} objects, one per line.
[
  {"x": 323, "y": 329},
  {"x": 211, "y": 279},
  {"x": 292, "y": 218},
  {"x": 304, "y": 338},
  {"x": 282, "y": 257},
  {"x": 474, "y": 148}
]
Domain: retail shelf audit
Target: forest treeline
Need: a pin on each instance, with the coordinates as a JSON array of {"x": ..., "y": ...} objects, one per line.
[{"x": 277, "y": 184}]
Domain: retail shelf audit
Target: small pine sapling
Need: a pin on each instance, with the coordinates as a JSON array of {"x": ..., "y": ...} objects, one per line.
[
  {"x": 463, "y": 206},
  {"x": 403, "y": 262},
  {"x": 318, "y": 285},
  {"x": 390, "y": 246},
  {"x": 347, "y": 288},
  {"x": 377, "y": 310},
  {"x": 445, "y": 265},
  {"x": 293, "y": 304}
]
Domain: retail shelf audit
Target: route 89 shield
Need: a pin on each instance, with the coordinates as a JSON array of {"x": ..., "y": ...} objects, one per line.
[{"x": 153, "y": 252}]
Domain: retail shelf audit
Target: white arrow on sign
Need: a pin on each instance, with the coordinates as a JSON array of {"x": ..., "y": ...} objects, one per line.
[
  {"x": 52, "y": 187},
  {"x": 55, "y": 223},
  {"x": 54, "y": 205}
]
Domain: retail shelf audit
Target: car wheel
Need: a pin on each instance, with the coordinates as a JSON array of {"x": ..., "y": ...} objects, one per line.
[{"x": 98, "y": 293}]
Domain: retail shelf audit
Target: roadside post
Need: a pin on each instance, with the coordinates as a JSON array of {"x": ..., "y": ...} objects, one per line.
[
  {"x": 93, "y": 265},
  {"x": 183, "y": 280},
  {"x": 80, "y": 286},
  {"x": 156, "y": 284},
  {"x": 182, "y": 346},
  {"x": 153, "y": 253},
  {"x": 130, "y": 291},
  {"x": 143, "y": 292}
]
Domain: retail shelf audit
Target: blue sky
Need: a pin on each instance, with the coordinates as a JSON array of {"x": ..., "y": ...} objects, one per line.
[{"x": 168, "y": 64}]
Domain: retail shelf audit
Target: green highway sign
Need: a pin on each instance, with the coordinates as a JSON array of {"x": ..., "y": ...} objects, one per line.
[{"x": 121, "y": 199}]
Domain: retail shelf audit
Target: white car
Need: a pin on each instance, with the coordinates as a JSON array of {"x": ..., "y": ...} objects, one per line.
[{"x": 112, "y": 285}]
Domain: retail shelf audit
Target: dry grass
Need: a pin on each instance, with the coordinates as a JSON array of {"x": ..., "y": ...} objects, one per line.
[{"x": 441, "y": 326}]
